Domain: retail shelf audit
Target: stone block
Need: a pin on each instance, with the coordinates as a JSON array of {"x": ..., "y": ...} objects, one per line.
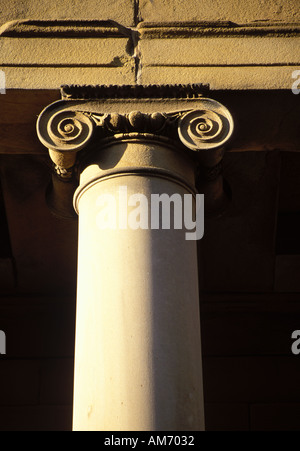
[
  {"x": 221, "y": 78},
  {"x": 57, "y": 382},
  {"x": 38, "y": 327},
  {"x": 121, "y": 11},
  {"x": 210, "y": 10},
  {"x": 53, "y": 78},
  {"x": 19, "y": 381},
  {"x": 7, "y": 278},
  {"x": 287, "y": 273},
  {"x": 251, "y": 379},
  {"x": 36, "y": 418},
  {"x": 63, "y": 52},
  {"x": 220, "y": 51},
  {"x": 275, "y": 417},
  {"x": 226, "y": 417}
]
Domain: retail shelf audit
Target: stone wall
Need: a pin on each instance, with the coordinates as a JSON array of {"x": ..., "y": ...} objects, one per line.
[{"x": 252, "y": 46}]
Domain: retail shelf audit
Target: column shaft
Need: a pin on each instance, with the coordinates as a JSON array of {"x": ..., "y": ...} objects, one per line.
[{"x": 138, "y": 347}]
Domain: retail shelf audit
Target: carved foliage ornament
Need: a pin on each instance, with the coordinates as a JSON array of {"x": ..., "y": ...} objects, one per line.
[{"x": 64, "y": 130}]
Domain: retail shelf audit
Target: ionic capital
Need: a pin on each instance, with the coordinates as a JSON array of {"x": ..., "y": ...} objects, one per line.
[
  {"x": 194, "y": 122},
  {"x": 88, "y": 118}
]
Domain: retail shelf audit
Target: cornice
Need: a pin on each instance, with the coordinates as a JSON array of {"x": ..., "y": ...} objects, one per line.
[
  {"x": 147, "y": 30},
  {"x": 64, "y": 28},
  {"x": 152, "y": 30}
]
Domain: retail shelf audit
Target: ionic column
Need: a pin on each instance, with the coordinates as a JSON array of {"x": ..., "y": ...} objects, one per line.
[{"x": 138, "y": 342}]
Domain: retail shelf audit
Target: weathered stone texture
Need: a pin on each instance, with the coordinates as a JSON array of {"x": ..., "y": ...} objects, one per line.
[
  {"x": 53, "y": 77},
  {"x": 241, "y": 78},
  {"x": 121, "y": 11},
  {"x": 243, "y": 11},
  {"x": 175, "y": 42},
  {"x": 206, "y": 51},
  {"x": 49, "y": 63},
  {"x": 76, "y": 52}
]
